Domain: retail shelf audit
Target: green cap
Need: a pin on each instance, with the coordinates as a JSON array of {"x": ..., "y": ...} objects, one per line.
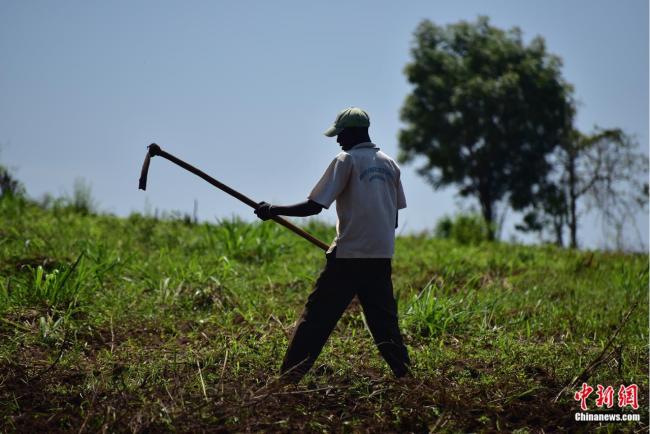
[{"x": 350, "y": 117}]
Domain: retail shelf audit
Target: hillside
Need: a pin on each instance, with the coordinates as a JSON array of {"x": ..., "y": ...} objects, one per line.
[{"x": 141, "y": 324}]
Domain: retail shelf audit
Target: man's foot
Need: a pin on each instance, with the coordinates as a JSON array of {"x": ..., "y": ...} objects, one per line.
[
  {"x": 290, "y": 377},
  {"x": 404, "y": 376}
]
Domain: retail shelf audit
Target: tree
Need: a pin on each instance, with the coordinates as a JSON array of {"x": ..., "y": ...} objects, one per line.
[
  {"x": 606, "y": 169},
  {"x": 549, "y": 211},
  {"x": 10, "y": 186},
  {"x": 485, "y": 111}
]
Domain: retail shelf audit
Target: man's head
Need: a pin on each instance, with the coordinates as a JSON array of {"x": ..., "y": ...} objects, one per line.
[
  {"x": 350, "y": 127},
  {"x": 351, "y": 136}
]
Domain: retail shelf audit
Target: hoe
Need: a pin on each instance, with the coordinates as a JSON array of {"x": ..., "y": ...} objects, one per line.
[{"x": 155, "y": 150}]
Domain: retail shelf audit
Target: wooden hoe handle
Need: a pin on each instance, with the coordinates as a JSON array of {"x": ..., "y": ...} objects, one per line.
[{"x": 155, "y": 150}]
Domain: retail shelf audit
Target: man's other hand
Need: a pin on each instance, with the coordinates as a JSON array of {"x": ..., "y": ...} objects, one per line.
[{"x": 263, "y": 211}]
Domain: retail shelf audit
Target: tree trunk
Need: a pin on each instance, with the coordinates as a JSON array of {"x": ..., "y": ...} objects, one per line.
[
  {"x": 573, "y": 218},
  {"x": 558, "y": 225},
  {"x": 487, "y": 211}
]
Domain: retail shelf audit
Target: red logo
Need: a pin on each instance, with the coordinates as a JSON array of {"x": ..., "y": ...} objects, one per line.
[
  {"x": 605, "y": 396},
  {"x": 627, "y": 395},
  {"x": 582, "y": 394}
]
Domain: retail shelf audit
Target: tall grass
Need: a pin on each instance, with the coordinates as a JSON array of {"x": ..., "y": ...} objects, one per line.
[{"x": 127, "y": 310}]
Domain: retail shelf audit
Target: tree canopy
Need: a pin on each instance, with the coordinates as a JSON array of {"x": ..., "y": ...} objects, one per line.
[
  {"x": 607, "y": 170},
  {"x": 485, "y": 111}
]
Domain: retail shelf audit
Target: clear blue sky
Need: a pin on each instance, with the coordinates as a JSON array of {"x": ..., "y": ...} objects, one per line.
[{"x": 245, "y": 89}]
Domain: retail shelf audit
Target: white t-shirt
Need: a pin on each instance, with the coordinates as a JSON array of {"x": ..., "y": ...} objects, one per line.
[{"x": 367, "y": 188}]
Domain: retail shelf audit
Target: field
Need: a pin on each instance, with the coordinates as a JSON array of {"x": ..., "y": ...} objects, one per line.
[{"x": 142, "y": 324}]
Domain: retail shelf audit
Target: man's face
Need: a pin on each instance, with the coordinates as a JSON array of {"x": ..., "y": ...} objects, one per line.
[{"x": 344, "y": 139}]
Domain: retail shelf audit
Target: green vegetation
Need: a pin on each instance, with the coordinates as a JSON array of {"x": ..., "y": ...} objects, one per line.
[
  {"x": 141, "y": 324},
  {"x": 464, "y": 228},
  {"x": 486, "y": 112},
  {"x": 493, "y": 115}
]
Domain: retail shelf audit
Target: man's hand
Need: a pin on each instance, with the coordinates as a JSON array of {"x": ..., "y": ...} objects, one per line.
[{"x": 263, "y": 211}]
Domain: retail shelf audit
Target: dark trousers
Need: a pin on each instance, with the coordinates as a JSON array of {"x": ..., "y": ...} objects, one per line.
[{"x": 338, "y": 283}]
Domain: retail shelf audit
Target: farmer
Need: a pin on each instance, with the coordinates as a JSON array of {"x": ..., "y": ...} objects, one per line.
[{"x": 365, "y": 183}]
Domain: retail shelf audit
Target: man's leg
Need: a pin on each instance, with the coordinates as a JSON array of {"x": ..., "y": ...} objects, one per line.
[
  {"x": 325, "y": 305},
  {"x": 380, "y": 310}
]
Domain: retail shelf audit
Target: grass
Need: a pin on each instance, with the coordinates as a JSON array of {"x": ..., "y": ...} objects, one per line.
[{"x": 143, "y": 324}]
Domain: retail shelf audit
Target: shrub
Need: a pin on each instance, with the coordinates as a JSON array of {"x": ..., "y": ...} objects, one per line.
[
  {"x": 9, "y": 186},
  {"x": 82, "y": 200},
  {"x": 463, "y": 228}
]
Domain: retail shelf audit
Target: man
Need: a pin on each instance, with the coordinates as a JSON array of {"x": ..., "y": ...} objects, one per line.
[{"x": 365, "y": 183}]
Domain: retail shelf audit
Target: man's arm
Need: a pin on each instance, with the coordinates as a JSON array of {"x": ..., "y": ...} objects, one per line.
[
  {"x": 303, "y": 209},
  {"x": 328, "y": 188}
]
